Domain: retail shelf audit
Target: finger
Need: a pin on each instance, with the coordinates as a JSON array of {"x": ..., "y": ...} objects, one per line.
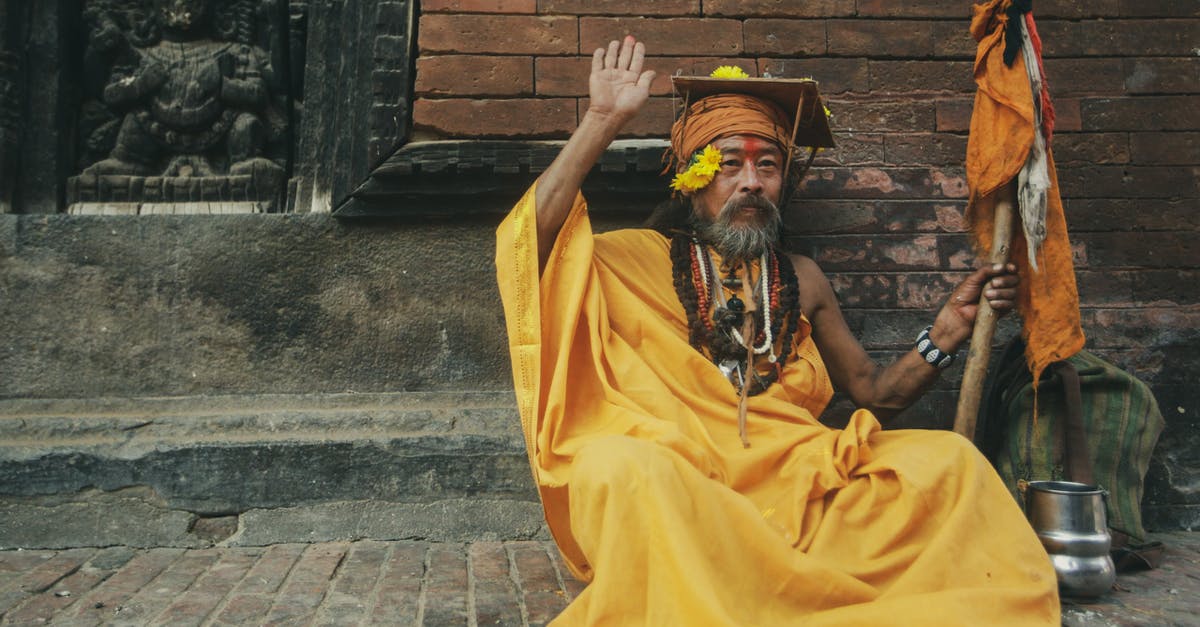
[
  {"x": 627, "y": 46},
  {"x": 610, "y": 57},
  {"x": 598, "y": 60},
  {"x": 1001, "y": 305},
  {"x": 646, "y": 79},
  {"x": 639, "y": 55},
  {"x": 1005, "y": 281}
]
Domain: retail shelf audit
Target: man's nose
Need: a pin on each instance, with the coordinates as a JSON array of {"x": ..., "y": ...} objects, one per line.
[{"x": 750, "y": 182}]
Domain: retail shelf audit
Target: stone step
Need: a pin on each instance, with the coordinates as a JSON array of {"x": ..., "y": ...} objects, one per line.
[{"x": 264, "y": 469}]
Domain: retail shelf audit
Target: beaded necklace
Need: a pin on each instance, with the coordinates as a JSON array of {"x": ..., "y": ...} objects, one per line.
[{"x": 714, "y": 321}]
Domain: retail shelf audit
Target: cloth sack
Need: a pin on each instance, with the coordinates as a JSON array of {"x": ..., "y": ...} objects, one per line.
[{"x": 1095, "y": 424}]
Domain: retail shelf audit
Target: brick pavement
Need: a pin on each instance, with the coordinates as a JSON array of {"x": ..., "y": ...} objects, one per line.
[{"x": 404, "y": 583}]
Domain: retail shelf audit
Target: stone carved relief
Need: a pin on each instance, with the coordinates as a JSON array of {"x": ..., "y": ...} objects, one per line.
[{"x": 186, "y": 107}]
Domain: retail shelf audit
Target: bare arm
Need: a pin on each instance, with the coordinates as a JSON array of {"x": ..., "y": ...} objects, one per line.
[
  {"x": 887, "y": 391},
  {"x": 618, "y": 89}
]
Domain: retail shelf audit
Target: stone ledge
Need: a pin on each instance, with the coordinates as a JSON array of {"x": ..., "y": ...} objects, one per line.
[{"x": 257, "y": 469}]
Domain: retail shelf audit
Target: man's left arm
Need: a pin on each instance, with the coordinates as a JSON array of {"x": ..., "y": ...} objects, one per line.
[{"x": 887, "y": 391}]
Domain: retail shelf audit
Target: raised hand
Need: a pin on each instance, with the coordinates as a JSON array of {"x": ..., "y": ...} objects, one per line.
[{"x": 618, "y": 86}]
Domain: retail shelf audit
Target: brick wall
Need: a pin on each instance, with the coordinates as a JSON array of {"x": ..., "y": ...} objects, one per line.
[{"x": 883, "y": 212}]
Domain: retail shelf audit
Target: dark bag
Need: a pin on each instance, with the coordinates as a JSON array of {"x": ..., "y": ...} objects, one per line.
[{"x": 1096, "y": 424}]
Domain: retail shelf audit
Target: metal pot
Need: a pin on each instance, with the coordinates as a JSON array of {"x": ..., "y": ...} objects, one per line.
[{"x": 1070, "y": 520}]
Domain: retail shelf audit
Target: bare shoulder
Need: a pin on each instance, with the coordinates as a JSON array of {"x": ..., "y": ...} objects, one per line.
[{"x": 815, "y": 291}]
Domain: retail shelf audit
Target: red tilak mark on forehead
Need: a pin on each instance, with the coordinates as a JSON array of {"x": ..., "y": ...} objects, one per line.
[{"x": 756, "y": 147}]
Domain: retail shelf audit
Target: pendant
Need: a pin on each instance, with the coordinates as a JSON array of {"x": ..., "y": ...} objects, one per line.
[
  {"x": 732, "y": 282},
  {"x": 736, "y": 305}
]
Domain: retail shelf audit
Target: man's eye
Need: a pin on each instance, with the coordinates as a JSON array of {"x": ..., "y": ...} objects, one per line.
[
  {"x": 767, "y": 164},
  {"x": 730, "y": 163}
]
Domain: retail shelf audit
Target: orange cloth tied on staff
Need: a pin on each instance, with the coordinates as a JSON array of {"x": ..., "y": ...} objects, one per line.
[
  {"x": 1003, "y": 129},
  {"x": 727, "y": 114}
]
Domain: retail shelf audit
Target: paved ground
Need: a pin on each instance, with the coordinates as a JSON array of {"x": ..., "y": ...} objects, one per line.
[{"x": 404, "y": 583}]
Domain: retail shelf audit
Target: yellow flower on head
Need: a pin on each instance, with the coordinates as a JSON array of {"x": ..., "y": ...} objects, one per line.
[
  {"x": 704, "y": 166},
  {"x": 729, "y": 71}
]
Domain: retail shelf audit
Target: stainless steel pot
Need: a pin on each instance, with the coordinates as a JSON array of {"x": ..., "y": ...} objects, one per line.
[{"x": 1070, "y": 520}]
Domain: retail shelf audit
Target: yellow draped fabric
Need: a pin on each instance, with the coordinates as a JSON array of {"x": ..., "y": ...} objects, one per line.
[{"x": 633, "y": 440}]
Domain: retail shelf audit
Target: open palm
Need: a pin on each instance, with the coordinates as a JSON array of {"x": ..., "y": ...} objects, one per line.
[{"x": 617, "y": 85}]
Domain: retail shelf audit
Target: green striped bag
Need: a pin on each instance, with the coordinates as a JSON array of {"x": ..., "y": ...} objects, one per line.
[{"x": 1121, "y": 423}]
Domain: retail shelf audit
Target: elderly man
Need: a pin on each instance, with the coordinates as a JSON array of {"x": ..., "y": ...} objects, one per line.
[{"x": 669, "y": 384}]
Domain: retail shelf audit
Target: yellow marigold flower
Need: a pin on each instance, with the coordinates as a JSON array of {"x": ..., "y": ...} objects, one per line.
[
  {"x": 729, "y": 71},
  {"x": 704, "y": 166}
]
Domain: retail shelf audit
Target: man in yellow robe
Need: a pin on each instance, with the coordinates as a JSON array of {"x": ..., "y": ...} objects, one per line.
[{"x": 669, "y": 388}]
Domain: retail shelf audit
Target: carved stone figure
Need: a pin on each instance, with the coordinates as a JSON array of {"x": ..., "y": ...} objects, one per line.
[{"x": 187, "y": 90}]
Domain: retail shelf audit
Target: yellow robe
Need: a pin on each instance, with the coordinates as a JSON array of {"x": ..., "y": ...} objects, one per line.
[{"x": 633, "y": 440}]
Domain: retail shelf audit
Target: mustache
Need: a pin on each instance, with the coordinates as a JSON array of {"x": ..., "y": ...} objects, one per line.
[{"x": 747, "y": 202}]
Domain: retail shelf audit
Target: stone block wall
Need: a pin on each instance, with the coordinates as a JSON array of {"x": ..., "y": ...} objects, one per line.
[{"x": 883, "y": 212}]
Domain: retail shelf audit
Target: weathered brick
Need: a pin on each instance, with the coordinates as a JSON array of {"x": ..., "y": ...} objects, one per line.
[
  {"x": 1165, "y": 148},
  {"x": 952, "y": 40},
  {"x": 1074, "y": 9},
  {"x": 853, "y": 149},
  {"x": 619, "y": 7},
  {"x": 880, "y": 39},
  {"x": 1143, "y": 326},
  {"x": 884, "y": 253},
  {"x": 244, "y": 609},
  {"x": 1130, "y": 214},
  {"x": 903, "y": 290},
  {"x": 571, "y": 586},
  {"x": 56, "y": 599},
  {"x": 1082, "y": 148},
  {"x": 1067, "y": 117},
  {"x": 538, "y": 581},
  {"x": 784, "y": 37},
  {"x": 1129, "y": 182},
  {"x": 519, "y": 117},
  {"x": 307, "y": 584},
  {"x": 478, "y": 6},
  {"x": 154, "y": 597},
  {"x": 204, "y": 595},
  {"x": 1140, "y": 113},
  {"x": 498, "y": 34},
  {"x": 493, "y": 590},
  {"x": 1075, "y": 77},
  {"x": 1109, "y": 38},
  {"x": 888, "y": 183},
  {"x": 654, "y": 120},
  {"x": 834, "y": 76},
  {"x": 271, "y": 569},
  {"x": 568, "y": 76},
  {"x": 939, "y": 76},
  {"x": 351, "y": 593},
  {"x": 925, "y": 149},
  {"x": 1162, "y": 76},
  {"x": 1139, "y": 287},
  {"x": 1159, "y": 8},
  {"x": 909, "y": 10},
  {"x": 470, "y": 75},
  {"x": 397, "y": 599},
  {"x": 105, "y": 601},
  {"x": 884, "y": 115},
  {"x": 1147, "y": 250},
  {"x": 42, "y": 576},
  {"x": 821, "y": 216},
  {"x": 779, "y": 8},
  {"x": 446, "y": 586},
  {"x": 670, "y": 36}
]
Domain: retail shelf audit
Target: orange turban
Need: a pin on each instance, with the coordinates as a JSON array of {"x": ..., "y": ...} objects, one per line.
[{"x": 714, "y": 116}]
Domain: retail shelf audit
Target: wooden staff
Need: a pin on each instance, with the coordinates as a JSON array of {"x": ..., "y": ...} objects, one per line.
[{"x": 985, "y": 319}]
